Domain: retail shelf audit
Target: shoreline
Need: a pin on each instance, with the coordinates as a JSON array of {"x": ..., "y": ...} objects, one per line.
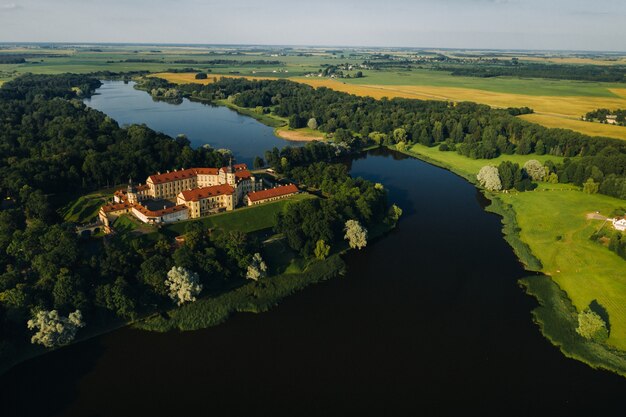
[
  {"x": 224, "y": 306},
  {"x": 555, "y": 315}
]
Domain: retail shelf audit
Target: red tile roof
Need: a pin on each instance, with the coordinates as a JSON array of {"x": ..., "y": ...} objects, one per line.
[
  {"x": 206, "y": 192},
  {"x": 243, "y": 175},
  {"x": 108, "y": 208},
  {"x": 190, "y": 173},
  {"x": 173, "y": 176},
  {"x": 206, "y": 171},
  {"x": 158, "y": 213},
  {"x": 273, "y": 192}
]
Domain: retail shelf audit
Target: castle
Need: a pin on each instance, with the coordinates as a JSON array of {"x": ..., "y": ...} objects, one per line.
[{"x": 190, "y": 194}]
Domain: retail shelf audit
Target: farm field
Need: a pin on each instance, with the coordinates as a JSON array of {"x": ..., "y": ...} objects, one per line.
[
  {"x": 553, "y": 222},
  {"x": 559, "y": 110},
  {"x": 556, "y": 103}
]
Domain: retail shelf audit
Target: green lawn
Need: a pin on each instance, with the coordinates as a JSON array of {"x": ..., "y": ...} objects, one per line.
[
  {"x": 85, "y": 208},
  {"x": 553, "y": 223},
  {"x": 246, "y": 219}
]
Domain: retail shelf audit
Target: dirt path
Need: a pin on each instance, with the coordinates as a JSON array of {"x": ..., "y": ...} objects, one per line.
[{"x": 595, "y": 216}]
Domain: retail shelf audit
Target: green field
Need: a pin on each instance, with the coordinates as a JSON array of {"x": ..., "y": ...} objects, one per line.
[
  {"x": 553, "y": 222},
  {"x": 507, "y": 85},
  {"x": 246, "y": 219}
]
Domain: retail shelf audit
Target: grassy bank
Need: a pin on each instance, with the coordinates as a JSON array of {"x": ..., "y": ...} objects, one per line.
[
  {"x": 253, "y": 297},
  {"x": 267, "y": 119},
  {"x": 550, "y": 233},
  {"x": 557, "y": 318}
]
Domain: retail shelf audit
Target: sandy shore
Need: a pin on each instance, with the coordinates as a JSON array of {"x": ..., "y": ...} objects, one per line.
[{"x": 296, "y": 135}]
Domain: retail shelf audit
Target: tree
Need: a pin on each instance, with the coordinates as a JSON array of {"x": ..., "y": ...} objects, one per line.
[
  {"x": 183, "y": 285},
  {"x": 590, "y": 186},
  {"x": 201, "y": 76},
  {"x": 356, "y": 235},
  {"x": 535, "y": 170},
  {"x": 553, "y": 178},
  {"x": 53, "y": 329},
  {"x": 312, "y": 123},
  {"x": 258, "y": 162},
  {"x": 438, "y": 132},
  {"x": 399, "y": 135},
  {"x": 510, "y": 174},
  {"x": 153, "y": 271},
  {"x": 395, "y": 213},
  {"x": 540, "y": 147},
  {"x": 591, "y": 326},
  {"x": 321, "y": 250},
  {"x": 489, "y": 178},
  {"x": 257, "y": 268}
]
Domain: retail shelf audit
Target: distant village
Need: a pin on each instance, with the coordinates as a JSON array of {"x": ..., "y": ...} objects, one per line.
[{"x": 190, "y": 194}]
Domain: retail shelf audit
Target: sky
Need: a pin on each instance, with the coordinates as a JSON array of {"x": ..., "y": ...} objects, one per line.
[{"x": 479, "y": 24}]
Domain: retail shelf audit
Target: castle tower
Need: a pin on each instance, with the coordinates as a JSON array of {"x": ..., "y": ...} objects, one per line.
[
  {"x": 230, "y": 174},
  {"x": 131, "y": 192}
]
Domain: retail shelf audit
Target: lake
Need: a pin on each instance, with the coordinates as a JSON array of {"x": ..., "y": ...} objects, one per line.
[
  {"x": 429, "y": 320},
  {"x": 219, "y": 127}
]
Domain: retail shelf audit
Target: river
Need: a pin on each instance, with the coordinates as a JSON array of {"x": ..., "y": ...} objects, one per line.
[{"x": 429, "y": 320}]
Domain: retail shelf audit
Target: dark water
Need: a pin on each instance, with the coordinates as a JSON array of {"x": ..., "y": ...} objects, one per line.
[
  {"x": 219, "y": 127},
  {"x": 428, "y": 321}
]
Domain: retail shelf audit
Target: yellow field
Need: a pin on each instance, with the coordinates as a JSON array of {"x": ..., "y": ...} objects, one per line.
[
  {"x": 187, "y": 78},
  {"x": 550, "y": 111},
  {"x": 593, "y": 129}
]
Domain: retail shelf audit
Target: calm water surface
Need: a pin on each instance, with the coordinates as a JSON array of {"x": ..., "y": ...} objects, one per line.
[
  {"x": 428, "y": 321},
  {"x": 219, "y": 127}
]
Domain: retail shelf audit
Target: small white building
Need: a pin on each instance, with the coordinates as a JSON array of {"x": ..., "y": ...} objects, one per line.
[{"x": 619, "y": 224}]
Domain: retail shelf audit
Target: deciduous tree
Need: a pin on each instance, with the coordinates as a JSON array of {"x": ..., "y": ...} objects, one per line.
[
  {"x": 183, "y": 285},
  {"x": 356, "y": 235},
  {"x": 53, "y": 329},
  {"x": 489, "y": 177}
]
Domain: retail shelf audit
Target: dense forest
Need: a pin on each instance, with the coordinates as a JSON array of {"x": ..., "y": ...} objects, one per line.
[
  {"x": 473, "y": 130},
  {"x": 601, "y": 73}
]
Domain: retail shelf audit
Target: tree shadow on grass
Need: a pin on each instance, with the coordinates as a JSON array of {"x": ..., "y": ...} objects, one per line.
[{"x": 599, "y": 309}]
